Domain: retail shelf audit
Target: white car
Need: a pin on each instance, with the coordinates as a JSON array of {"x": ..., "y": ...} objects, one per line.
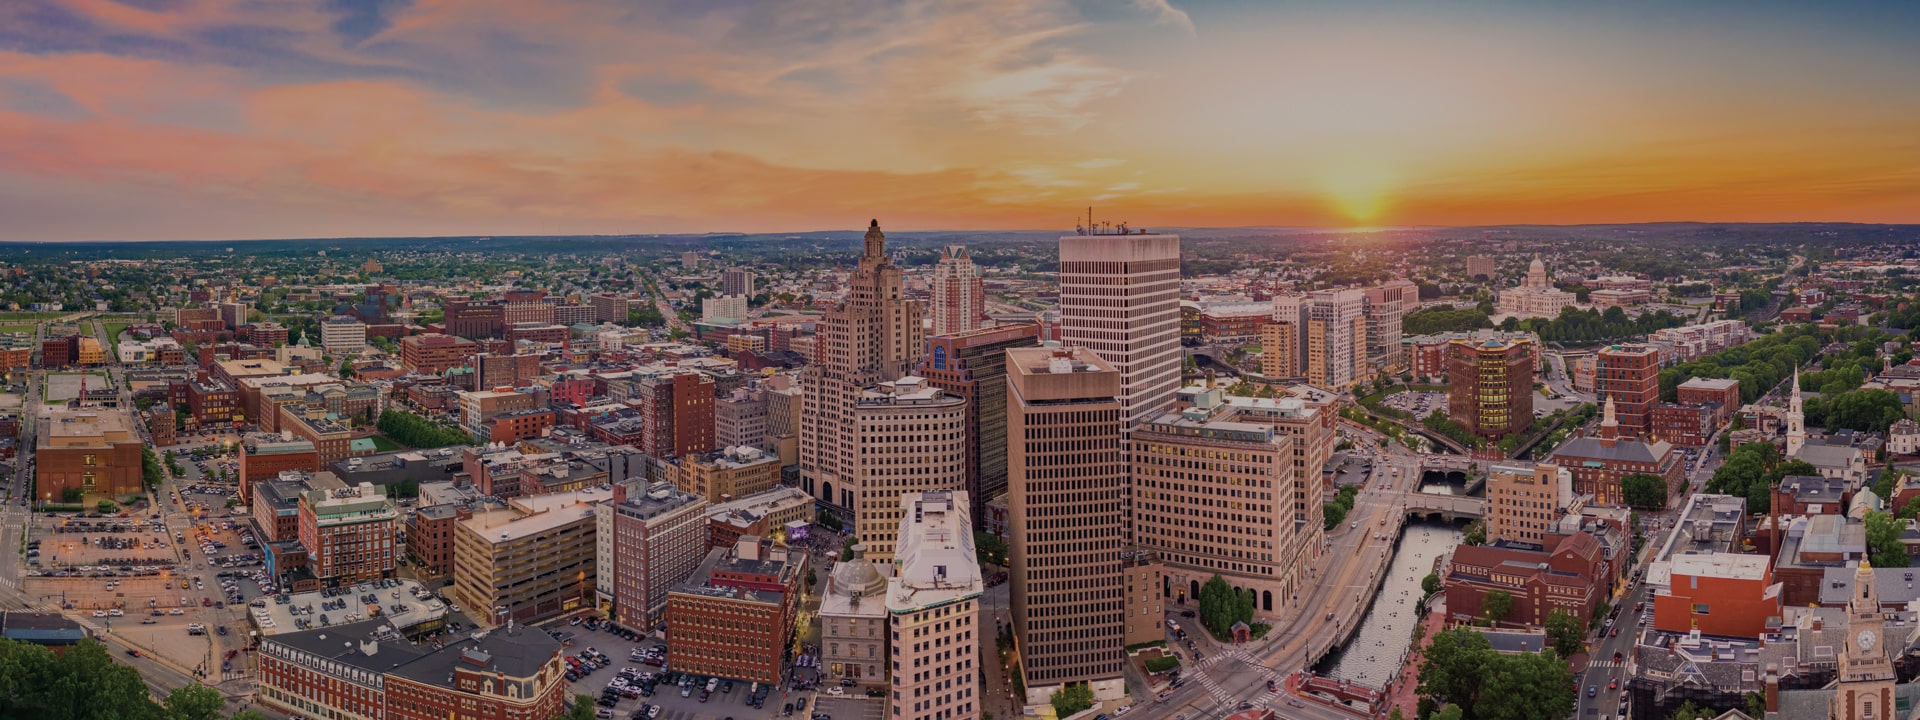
[{"x": 836, "y": 691}]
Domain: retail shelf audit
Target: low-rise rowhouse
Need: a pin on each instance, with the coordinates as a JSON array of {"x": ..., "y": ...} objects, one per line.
[{"x": 366, "y": 671}]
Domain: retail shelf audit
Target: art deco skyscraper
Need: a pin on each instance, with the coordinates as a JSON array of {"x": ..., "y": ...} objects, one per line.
[
  {"x": 872, "y": 336},
  {"x": 1120, "y": 298},
  {"x": 1066, "y": 476},
  {"x": 959, "y": 292}
]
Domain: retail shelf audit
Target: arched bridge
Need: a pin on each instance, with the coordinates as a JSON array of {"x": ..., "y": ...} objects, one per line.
[{"x": 1446, "y": 507}]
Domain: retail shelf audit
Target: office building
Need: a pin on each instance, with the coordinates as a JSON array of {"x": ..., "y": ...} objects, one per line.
[
  {"x": 725, "y": 308},
  {"x": 854, "y": 635},
  {"x": 740, "y": 419},
  {"x": 474, "y": 318},
  {"x": 973, "y": 366},
  {"x": 1066, "y": 474},
  {"x": 911, "y": 436},
  {"x": 1184, "y": 463},
  {"x": 676, "y": 413},
  {"x": 348, "y": 534},
  {"x": 959, "y": 292},
  {"x": 343, "y": 334},
  {"x": 1535, "y": 297},
  {"x": 265, "y": 457},
  {"x": 1721, "y": 394},
  {"x": 1280, "y": 350},
  {"x": 658, "y": 538},
  {"x": 1482, "y": 266},
  {"x": 534, "y": 557},
  {"x": 92, "y": 450},
  {"x": 1490, "y": 386},
  {"x": 430, "y": 536},
  {"x": 1526, "y": 502},
  {"x": 872, "y": 336},
  {"x": 610, "y": 308},
  {"x": 1336, "y": 339},
  {"x": 1629, "y": 375},
  {"x": 1120, "y": 298},
  {"x": 933, "y": 610},
  {"x": 768, "y": 514},
  {"x": 1720, "y": 594},
  {"x": 480, "y": 407},
  {"x": 735, "y": 616},
  {"x": 434, "y": 353},
  {"x": 725, "y": 475},
  {"x": 738, "y": 281}
]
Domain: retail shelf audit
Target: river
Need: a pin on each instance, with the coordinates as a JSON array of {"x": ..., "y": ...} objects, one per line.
[{"x": 1375, "y": 652}]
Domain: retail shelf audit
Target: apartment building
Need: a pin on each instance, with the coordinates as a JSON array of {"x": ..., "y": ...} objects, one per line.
[
  {"x": 658, "y": 538},
  {"x": 1490, "y": 386},
  {"x": 348, "y": 534},
  {"x": 733, "y": 618}
]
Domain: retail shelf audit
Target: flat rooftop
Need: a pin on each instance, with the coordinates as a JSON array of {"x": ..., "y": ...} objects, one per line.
[
  {"x": 1732, "y": 566},
  {"x": 405, "y": 605},
  {"x": 527, "y": 516}
]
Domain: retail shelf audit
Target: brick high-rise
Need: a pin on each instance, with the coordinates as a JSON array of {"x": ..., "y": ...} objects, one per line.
[
  {"x": 872, "y": 336},
  {"x": 678, "y": 414},
  {"x": 1630, "y": 375},
  {"x": 1066, "y": 475}
]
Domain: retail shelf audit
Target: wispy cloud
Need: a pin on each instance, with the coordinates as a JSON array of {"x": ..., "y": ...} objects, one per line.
[{"x": 1166, "y": 14}]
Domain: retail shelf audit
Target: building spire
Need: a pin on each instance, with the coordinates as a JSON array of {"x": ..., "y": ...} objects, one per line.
[
  {"x": 876, "y": 241},
  {"x": 1609, "y": 422}
]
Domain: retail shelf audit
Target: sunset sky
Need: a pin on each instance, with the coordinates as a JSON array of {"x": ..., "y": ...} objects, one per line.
[{"x": 227, "y": 119}]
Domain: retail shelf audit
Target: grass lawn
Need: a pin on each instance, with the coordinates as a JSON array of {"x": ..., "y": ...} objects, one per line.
[
  {"x": 382, "y": 444},
  {"x": 8, "y": 329},
  {"x": 113, "y": 335},
  {"x": 30, "y": 316}
]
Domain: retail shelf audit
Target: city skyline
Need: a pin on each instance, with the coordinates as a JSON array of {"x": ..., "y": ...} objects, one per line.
[{"x": 221, "y": 120}]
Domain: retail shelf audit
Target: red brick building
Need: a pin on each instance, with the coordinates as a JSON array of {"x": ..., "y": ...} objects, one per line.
[
  {"x": 1722, "y": 393},
  {"x": 94, "y": 450},
  {"x": 213, "y": 402},
  {"x": 1630, "y": 376},
  {"x": 474, "y": 318},
  {"x": 1683, "y": 425},
  {"x": 518, "y": 425},
  {"x": 734, "y": 617},
  {"x": 430, "y": 532},
  {"x": 1574, "y": 575},
  {"x": 1599, "y": 463},
  {"x": 357, "y": 671},
  {"x": 677, "y": 414},
  {"x": 348, "y": 534},
  {"x": 265, "y": 457},
  {"x": 1491, "y": 384},
  {"x": 434, "y": 353}
]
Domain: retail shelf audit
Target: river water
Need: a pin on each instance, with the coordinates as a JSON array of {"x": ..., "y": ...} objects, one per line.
[{"x": 1377, "y": 650}]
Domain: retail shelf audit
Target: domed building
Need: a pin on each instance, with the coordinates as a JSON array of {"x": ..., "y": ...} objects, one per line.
[
  {"x": 1536, "y": 296},
  {"x": 853, "y": 621}
]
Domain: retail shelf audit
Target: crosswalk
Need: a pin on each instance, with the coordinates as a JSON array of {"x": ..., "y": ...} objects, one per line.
[{"x": 1603, "y": 664}]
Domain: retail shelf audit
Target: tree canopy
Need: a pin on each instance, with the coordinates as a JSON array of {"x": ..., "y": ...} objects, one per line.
[
  {"x": 412, "y": 430},
  {"x": 1643, "y": 491},
  {"x": 1752, "y": 470},
  {"x": 1884, "y": 548},
  {"x": 84, "y": 683},
  {"x": 1460, "y": 669}
]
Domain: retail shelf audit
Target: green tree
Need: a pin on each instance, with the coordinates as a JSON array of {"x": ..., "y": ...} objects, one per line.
[
  {"x": 1476, "y": 533},
  {"x": 582, "y": 709},
  {"x": 1566, "y": 633},
  {"x": 1911, "y": 510},
  {"x": 346, "y": 368},
  {"x": 1072, "y": 698},
  {"x": 1496, "y": 605},
  {"x": 1430, "y": 584},
  {"x": 1883, "y": 540},
  {"x": 1644, "y": 491},
  {"x": 1450, "y": 712},
  {"x": 194, "y": 702},
  {"x": 249, "y": 714},
  {"x": 989, "y": 549},
  {"x": 1526, "y": 686},
  {"x": 1690, "y": 711},
  {"x": 1452, "y": 666}
]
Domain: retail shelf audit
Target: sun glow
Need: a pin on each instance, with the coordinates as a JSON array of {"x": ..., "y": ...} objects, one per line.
[{"x": 1357, "y": 193}]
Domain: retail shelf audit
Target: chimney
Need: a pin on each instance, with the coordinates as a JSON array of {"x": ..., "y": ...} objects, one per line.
[
  {"x": 619, "y": 493},
  {"x": 1773, "y": 688}
]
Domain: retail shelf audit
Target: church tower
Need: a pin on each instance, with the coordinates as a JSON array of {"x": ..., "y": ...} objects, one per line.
[
  {"x": 1796, "y": 419},
  {"x": 1865, "y": 690}
]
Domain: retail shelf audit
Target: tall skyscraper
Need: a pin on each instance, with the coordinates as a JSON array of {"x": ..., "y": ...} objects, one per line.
[
  {"x": 1490, "y": 385},
  {"x": 1120, "y": 298},
  {"x": 872, "y": 336},
  {"x": 1336, "y": 339},
  {"x": 1066, "y": 475},
  {"x": 973, "y": 366},
  {"x": 959, "y": 292},
  {"x": 933, "y": 610},
  {"x": 1386, "y": 304},
  {"x": 738, "y": 281},
  {"x": 1630, "y": 376}
]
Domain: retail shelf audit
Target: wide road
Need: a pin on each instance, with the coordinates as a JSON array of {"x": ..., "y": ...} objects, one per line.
[{"x": 1341, "y": 585}]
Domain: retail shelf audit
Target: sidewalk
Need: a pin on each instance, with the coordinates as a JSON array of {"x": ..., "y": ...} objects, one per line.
[{"x": 1407, "y": 681}]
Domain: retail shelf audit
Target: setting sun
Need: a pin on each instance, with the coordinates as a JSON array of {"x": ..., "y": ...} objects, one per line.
[{"x": 1358, "y": 193}]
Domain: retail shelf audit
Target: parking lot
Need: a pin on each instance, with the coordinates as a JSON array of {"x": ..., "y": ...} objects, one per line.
[
  {"x": 1419, "y": 403},
  {"x": 718, "y": 706}
]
